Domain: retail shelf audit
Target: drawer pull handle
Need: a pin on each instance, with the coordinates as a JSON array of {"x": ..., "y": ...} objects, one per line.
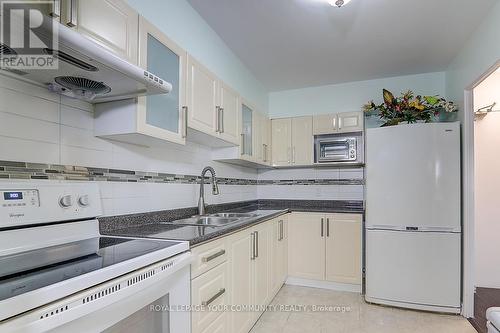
[
  {"x": 213, "y": 256},
  {"x": 214, "y": 297}
]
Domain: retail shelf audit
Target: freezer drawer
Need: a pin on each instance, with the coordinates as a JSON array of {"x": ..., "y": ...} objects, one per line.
[{"x": 419, "y": 268}]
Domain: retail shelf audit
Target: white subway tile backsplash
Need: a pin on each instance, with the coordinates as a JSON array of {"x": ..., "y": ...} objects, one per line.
[
  {"x": 77, "y": 118},
  {"x": 14, "y": 149},
  {"x": 21, "y": 127},
  {"x": 28, "y": 106},
  {"x": 71, "y": 155},
  {"x": 83, "y": 138}
]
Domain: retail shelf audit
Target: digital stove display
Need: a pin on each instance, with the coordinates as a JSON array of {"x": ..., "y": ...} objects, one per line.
[{"x": 13, "y": 195}]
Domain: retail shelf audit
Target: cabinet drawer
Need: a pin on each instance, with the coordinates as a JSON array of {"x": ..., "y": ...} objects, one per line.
[
  {"x": 208, "y": 256},
  {"x": 208, "y": 289}
]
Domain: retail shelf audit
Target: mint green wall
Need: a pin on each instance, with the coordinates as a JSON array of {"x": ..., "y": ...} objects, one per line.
[
  {"x": 349, "y": 96},
  {"x": 180, "y": 22},
  {"x": 480, "y": 52}
]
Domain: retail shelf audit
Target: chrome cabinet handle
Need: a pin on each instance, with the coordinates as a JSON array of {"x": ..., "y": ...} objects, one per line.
[
  {"x": 217, "y": 119},
  {"x": 327, "y": 227},
  {"x": 256, "y": 244},
  {"x": 222, "y": 120},
  {"x": 185, "y": 121},
  {"x": 252, "y": 257},
  {"x": 334, "y": 122},
  {"x": 213, "y": 256},
  {"x": 73, "y": 14},
  {"x": 214, "y": 297},
  {"x": 279, "y": 231},
  {"x": 242, "y": 143},
  {"x": 340, "y": 123},
  {"x": 56, "y": 9},
  {"x": 322, "y": 225}
]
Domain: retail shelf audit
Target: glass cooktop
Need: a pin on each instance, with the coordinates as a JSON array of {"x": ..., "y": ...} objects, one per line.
[{"x": 27, "y": 271}]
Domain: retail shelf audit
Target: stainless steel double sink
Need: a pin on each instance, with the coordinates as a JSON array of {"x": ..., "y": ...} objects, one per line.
[{"x": 214, "y": 220}]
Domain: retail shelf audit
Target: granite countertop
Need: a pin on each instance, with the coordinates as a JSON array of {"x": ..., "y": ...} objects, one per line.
[{"x": 153, "y": 225}]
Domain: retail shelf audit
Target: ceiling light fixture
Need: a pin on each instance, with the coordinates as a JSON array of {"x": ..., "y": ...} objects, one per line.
[{"x": 338, "y": 3}]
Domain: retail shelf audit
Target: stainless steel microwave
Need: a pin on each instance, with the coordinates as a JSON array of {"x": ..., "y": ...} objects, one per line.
[{"x": 346, "y": 148}]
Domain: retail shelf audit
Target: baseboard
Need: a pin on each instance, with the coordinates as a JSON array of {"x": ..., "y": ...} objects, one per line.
[
  {"x": 294, "y": 281},
  {"x": 414, "y": 306}
]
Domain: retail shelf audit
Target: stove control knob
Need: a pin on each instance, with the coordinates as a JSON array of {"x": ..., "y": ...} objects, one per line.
[
  {"x": 66, "y": 201},
  {"x": 84, "y": 201}
]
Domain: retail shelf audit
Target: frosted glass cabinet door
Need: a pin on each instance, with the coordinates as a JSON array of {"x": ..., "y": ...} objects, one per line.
[
  {"x": 246, "y": 131},
  {"x": 162, "y": 116}
]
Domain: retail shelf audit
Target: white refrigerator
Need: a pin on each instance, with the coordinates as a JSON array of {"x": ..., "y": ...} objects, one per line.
[{"x": 413, "y": 224}]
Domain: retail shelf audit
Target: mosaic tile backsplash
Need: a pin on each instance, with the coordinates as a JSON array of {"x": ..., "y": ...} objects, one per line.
[{"x": 26, "y": 170}]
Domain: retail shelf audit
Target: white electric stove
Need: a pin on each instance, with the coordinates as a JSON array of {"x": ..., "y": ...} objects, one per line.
[{"x": 58, "y": 274}]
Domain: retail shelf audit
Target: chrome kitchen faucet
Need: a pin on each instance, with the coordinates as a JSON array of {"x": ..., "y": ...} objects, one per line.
[{"x": 215, "y": 188}]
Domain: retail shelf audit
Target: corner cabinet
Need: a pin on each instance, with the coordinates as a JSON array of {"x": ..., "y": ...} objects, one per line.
[
  {"x": 156, "y": 119},
  {"x": 111, "y": 23},
  {"x": 292, "y": 141},
  {"x": 327, "y": 248}
]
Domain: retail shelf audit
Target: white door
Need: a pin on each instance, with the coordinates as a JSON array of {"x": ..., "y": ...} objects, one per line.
[
  {"x": 302, "y": 141},
  {"x": 350, "y": 121},
  {"x": 230, "y": 112},
  {"x": 413, "y": 177},
  {"x": 325, "y": 124},
  {"x": 111, "y": 23},
  {"x": 281, "y": 141},
  {"x": 413, "y": 267},
  {"x": 202, "y": 98},
  {"x": 306, "y": 246},
  {"x": 343, "y": 248},
  {"x": 241, "y": 281}
]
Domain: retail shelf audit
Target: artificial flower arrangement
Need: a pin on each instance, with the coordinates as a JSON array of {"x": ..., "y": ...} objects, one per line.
[{"x": 408, "y": 108}]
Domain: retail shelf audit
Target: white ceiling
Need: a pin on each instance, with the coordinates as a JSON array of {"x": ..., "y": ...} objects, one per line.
[{"x": 299, "y": 43}]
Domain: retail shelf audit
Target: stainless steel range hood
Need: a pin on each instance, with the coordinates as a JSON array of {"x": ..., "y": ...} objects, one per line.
[{"x": 88, "y": 71}]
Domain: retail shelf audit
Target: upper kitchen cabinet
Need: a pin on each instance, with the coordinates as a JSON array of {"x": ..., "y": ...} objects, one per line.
[
  {"x": 292, "y": 141},
  {"x": 111, "y": 23},
  {"x": 213, "y": 108},
  {"x": 247, "y": 131},
  {"x": 262, "y": 139},
  {"x": 338, "y": 123},
  {"x": 156, "y": 119}
]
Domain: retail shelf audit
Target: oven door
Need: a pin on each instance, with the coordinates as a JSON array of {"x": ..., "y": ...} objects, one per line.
[
  {"x": 336, "y": 150},
  {"x": 154, "y": 299}
]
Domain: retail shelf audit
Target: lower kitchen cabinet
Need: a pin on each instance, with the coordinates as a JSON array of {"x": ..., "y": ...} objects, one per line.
[
  {"x": 219, "y": 325},
  {"x": 325, "y": 247},
  {"x": 306, "y": 246},
  {"x": 279, "y": 255}
]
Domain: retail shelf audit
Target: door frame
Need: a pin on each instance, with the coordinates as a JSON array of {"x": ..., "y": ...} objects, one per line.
[{"x": 468, "y": 284}]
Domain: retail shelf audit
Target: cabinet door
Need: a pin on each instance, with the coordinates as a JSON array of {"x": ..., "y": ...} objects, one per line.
[
  {"x": 261, "y": 265},
  {"x": 247, "y": 131},
  {"x": 325, "y": 124},
  {"x": 281, "y": 140},
  {"x": 202, "y": 98},
  {"x": 306, "y": 246},
  {"x": 50, "y": 8},
  {"x": 343, "y": 248},
  {"x": 241, "y": 280},
  {"x": 302, "y": 141},
  {"x": 111, "y": 23},
  {"x": 210, "y": 290},
  {"x": 258, "y": 151},
  {"x": 351, "y": 121},
  {"x": 219, "y": 325},
  {"x": 267, "y": 141},
  {"x": 230, "y": 113},
  {"x": 161, "y": 116},
  {"x": 279, "y": 256}
]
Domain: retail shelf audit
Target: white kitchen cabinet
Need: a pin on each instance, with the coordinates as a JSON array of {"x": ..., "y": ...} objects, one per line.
[
  {"x": 279, "y": 255},
  {"x": 302, "y": 141},
  {"x": 325, "y": 124},
  {"x": 219, "y": 325},
  {"x": 350, "y": 122},
  {"x": 338, "y": 123},
  {"x": 343, "y": 248},
  {"x": 325, "y": 247},
  {"x": 247, "y": 131},
  {"x": 111, "y": 23},
  {"x": 306, "y": 246},
  {"x": 261, "y": 260},
  {"x": 281, "y": 138},
  {"x": 150, "y": 120},
  {"x": 208, "y": 290},
  {"x": 202, "y": 98},
  {"x": 241, "y": 280},
  {"x": 230, "y": 109},
  {"x": 292, "y": 141},
  {"x": 262, "y": 140}
]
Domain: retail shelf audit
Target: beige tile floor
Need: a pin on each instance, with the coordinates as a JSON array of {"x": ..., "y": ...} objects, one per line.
[{"x": 362, "y": 317}]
